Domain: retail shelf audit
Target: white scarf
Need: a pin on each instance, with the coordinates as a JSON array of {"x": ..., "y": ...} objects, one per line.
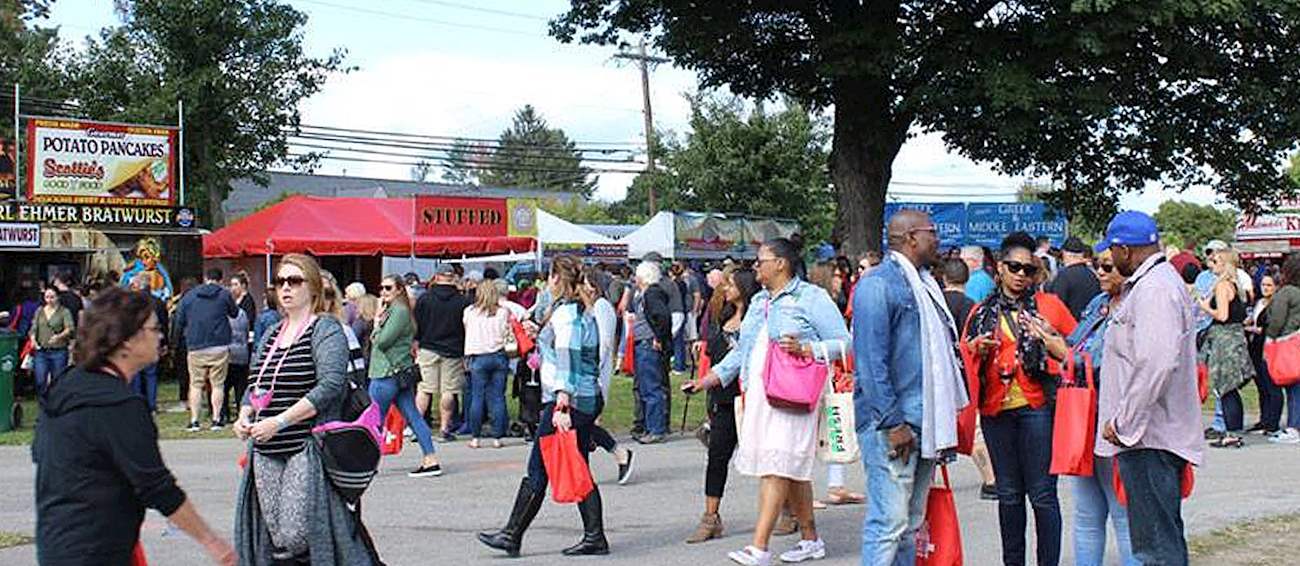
[{"x": 943, "y": 389}]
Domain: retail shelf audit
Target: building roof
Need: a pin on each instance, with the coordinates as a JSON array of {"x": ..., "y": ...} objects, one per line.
[{"x": 246, "y": 196}]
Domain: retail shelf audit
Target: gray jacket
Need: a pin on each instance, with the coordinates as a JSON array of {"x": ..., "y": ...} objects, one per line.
[{"x": 239, "y": 339}]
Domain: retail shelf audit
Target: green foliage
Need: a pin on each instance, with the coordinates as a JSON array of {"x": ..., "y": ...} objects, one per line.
[
  {"x": 1293, "y": 171},
  {"x": 1099, "y": 96},
  {"x": 1187, "y": 224},
  {"x": 238, "y": 65},
  {"x": 579, "y": 211},
  {"x": 528, "y": 154},
  {"x": 737, "y": 160},
  {"x": 30, "y": 55}
]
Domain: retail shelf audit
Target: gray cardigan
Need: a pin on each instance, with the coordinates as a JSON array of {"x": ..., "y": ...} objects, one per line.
[
  {"x": 336, "y": 536},
  {"x": 1284, "y": 312}
]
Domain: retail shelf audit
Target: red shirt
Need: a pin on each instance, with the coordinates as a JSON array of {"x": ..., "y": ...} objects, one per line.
[{"x": 995, "y": 390}]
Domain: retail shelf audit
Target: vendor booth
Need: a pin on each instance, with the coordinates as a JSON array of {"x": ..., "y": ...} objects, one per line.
[
  {"x": 1270, "y": 235},
  {"x": 700, "y": 235},
  {"x": 351, "y": 235}
]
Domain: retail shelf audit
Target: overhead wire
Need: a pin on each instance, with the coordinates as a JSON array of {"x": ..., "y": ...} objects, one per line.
[{"x": 409, "y": 17}]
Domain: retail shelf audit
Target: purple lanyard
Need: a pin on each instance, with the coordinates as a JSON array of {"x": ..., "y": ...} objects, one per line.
[{"x": 261, "y": 398}]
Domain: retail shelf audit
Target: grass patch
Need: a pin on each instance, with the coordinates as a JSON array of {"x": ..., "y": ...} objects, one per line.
[
  {"x": 171, "y": 419},
  {"x": 1271, "y": 540},
  {"x": 8, "y": 539}
]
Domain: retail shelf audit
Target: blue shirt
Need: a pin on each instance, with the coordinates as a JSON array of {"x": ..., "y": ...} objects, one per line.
[
  {"x": 1092, "y": 332},
  {"x": 800, "y": 309},
  {"x": 1204, "y": 288},
  {"x": 888, "y": 375},
  {"x": 980, "y": 286}
]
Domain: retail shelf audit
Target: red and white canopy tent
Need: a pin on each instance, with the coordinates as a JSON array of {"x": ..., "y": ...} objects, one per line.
[{"x": 424, "y": 226}]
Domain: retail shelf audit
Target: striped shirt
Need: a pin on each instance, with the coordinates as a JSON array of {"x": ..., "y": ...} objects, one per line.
[{"x": 296, "y": 377}]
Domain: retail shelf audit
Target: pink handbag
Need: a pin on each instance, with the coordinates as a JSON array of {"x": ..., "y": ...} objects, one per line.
[{"x": 793, "y": 382}]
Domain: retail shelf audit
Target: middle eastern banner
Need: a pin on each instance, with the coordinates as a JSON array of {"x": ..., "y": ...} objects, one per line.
[
  {"x": 475, "y": 217},
  {"x": 73, "y": 161},
  {"x": 986, "y": 224}
]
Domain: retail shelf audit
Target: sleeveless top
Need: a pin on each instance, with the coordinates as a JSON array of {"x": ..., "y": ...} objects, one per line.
[
  {"x": 1236, "y": 308},
  {"x": 297, "y": 377}
]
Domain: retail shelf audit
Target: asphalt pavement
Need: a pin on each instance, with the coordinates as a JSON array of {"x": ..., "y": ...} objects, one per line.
[{"x": 433, "y": 520}]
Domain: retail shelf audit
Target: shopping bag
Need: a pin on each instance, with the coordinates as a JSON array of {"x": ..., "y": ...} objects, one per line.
[
  {"x": 837, "y": 438},
  {"x": 967, "y": 416},
  {"x": 706, "y": 363},
  {"x": 522, "y": 338},
  {"x": 137, "y": 555},
  {"x": 793, "y": 382},
  {"x": 393, "y": 425},
  {"x": 629, "y": 353},
  {"x": 1202, "y": 380},
  {"x": 1283, "y": 358},
  {"x": 569, "y": 477},
  {"x": 938, "y": 540},
  {"x": 1073, "y": 431},
  {"x": 1187, "y": 484}
]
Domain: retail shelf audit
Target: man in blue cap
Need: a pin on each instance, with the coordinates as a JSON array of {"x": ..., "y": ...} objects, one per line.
[{"x": 1149, "y": 409}]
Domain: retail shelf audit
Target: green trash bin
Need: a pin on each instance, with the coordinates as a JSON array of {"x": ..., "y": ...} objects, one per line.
[{"x": 8, "y": 367}]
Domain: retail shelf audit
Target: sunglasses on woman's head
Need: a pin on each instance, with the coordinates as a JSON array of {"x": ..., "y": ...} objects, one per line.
[
  {"x": 292, "y": 280},
  {"x": 1028, "y": 269}
]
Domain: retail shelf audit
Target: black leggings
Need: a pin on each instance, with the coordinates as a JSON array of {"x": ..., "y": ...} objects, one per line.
[
  {"x": 1233, "y": 411},
  {"x": 722, "y": 444},
  {"x": 601, "y": 438}
]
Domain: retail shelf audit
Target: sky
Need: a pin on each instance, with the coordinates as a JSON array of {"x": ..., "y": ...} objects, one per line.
[{"x": 462, "y": 68}]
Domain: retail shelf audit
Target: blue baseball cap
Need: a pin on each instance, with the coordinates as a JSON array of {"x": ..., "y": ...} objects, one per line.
[{"x": 1129, "y": 228}]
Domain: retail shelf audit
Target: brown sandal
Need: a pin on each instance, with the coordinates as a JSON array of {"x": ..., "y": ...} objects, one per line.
[
  {"x": 843, "y": 496},
  {"x": 710, "y": 527},
  {"x": 786, "y": 525}
]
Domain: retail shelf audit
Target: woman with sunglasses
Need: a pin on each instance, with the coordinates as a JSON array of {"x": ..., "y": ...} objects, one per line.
[
  {"x": 96, "y": 449},
  {"x": 390, "y": 352},
  {"x": 779, "y": 445},
  {"x": 1094, "y": 496},
  {"x": 1017, "y": 386},
  {"x": 287, "y": 511}
]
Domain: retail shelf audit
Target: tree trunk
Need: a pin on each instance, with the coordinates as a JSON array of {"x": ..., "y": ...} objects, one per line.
[{"x": 866, "y": 141}]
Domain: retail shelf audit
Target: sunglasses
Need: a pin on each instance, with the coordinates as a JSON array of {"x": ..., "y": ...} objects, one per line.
[
  {"x": 1106, "y": 267},
  {"x": 293, "y": 281},
  {"x": 1028, "y": 269},
  {"x": 387, "y": 287}
]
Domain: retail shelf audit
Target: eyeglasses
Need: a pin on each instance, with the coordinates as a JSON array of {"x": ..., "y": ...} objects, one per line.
[
  {"x": 931, "y": 229},
  {"x": 294, "y": 281},
  {"x": 1106, "y": 267},
  {"x": 761, "y": 261},
  {"x": 1028, "y": 269}
]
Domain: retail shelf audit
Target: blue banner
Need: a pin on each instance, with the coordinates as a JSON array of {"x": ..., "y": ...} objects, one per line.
[
  {"x": 948, "y": 217},
  {"x": 988, "y": 224}
]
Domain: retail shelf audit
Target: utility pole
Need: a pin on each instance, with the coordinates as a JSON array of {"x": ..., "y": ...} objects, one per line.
[{"x": 644, "y": 61}]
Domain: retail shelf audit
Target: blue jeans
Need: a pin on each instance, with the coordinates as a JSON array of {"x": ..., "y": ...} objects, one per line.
[
  {"x": 1020, "y": 445},
  {"x": 649, "y": 369},
  {"x": 896, "y": 501},
  {"x": 462, "y": 414},
  {"x": 1292, "y": 406},
  {"x": 679, "y": 350},
  {"x": 384, "y": 392},
  {"x": 1153, "y": 482},
  {"x": 145, "y": 385},
  {"x": 487, "y": 377},
  {"x": 1094, "y": 499},
  {"x": 1218, "y": 423},
  {"x": 47, "y": 365},
  {"x": 583, "y": 424}
]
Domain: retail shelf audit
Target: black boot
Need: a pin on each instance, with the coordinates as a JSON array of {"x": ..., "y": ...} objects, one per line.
[
  {"x": 527, "y": 503},
  {"x": 593, "y": 527}
]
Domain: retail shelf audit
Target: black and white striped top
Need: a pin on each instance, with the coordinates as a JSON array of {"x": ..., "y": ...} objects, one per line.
[{"x": 297, "y": 377}]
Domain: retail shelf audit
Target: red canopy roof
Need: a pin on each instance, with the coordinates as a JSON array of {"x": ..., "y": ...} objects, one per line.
[{"x": 345, "y": 226}]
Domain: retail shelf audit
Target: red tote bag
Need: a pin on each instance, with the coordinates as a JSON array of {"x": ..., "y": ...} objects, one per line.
[
  {"x": 1188, "y": 482},
  {"x": 1073, "y": 431},
  {"x": 522, "y": 338},
  {"x": 706, "y": 363},
  {"x": 938, "y": 541},
  {"x": 569, "y": 477},
  {"x": 393, "y": 425},
  {"x": 967, "y": 417},
  {"x": 1283, "y": 358},
  {"x": 137, "y": 555},
  {"x": 628, "y": 367}
]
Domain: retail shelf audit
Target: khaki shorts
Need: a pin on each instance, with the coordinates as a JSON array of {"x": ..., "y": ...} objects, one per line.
[
  {"x": 205, "y": 369},
  {"x": 440, "y": 375}
]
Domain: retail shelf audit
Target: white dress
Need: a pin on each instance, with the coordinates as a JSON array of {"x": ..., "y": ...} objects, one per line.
[{"x": 773, "y": 442}]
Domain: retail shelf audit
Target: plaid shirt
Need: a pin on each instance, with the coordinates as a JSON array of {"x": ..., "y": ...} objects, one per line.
[{"x": 570, "y": 347}]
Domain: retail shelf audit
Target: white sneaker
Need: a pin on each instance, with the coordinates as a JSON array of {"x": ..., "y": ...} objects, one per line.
[
  {"x": 1288, "y": 436},
  {"x": 751, "y": 556},
  {"x": 805, "y": 550}
]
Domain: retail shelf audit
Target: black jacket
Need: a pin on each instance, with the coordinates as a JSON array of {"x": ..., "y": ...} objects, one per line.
[
  {"x": 659, "y": 315},
  {"x": 438, "y": 323},
  {"x": 97, "y": 469}
]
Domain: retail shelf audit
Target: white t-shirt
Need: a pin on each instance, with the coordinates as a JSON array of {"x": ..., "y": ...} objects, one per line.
[{"x": 606, "y": 326}]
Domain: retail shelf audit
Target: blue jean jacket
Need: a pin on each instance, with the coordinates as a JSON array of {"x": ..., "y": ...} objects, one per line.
[
  {"x": 802, "y": 309},
  {"x": 887, "y": 350}
]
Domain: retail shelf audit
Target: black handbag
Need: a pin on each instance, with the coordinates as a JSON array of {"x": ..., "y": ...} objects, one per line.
[{"x": 407, "y": 377}]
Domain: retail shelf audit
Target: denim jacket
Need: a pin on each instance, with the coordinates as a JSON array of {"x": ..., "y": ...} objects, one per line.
[
  {"x": 802, "y": 309},
  {"x": 887, "y": 350},
  {"x": 1092, "y": 330}
]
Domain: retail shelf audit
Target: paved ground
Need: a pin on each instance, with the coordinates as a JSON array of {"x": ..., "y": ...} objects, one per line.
[{"x": 423, "y": 521}]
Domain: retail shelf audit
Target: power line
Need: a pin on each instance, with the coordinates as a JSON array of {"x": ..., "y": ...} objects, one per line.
[
  {"x": 569, "y": 176},
  {"x": 474, "y": 147},
  {"x": 493, "y": 11},
  {"x": 445, "y": 161},
  {"x": 409, "y": 17},
  {"x": 443, "y": 137}
]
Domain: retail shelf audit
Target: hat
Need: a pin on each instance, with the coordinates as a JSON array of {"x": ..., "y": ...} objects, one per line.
[
  {"x": 474, "y": 276},
  {"x": 1075, "y": 246},
  {"x": 1130, "y": 228},
  {"x": 444, "y": 269},
  {"x": 1214, "y": 246}
]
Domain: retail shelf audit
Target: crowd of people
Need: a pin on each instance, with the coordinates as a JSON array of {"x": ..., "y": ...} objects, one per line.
[{"x": 921, "y": 338}]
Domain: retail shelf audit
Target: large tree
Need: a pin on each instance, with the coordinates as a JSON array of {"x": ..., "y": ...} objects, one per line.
[
  {"x": 530, "y": 154},
  {"x": 238, "y": 65},
  {"x": 1189, "y": 224},
  {"x": 1100, "y": 97}
]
